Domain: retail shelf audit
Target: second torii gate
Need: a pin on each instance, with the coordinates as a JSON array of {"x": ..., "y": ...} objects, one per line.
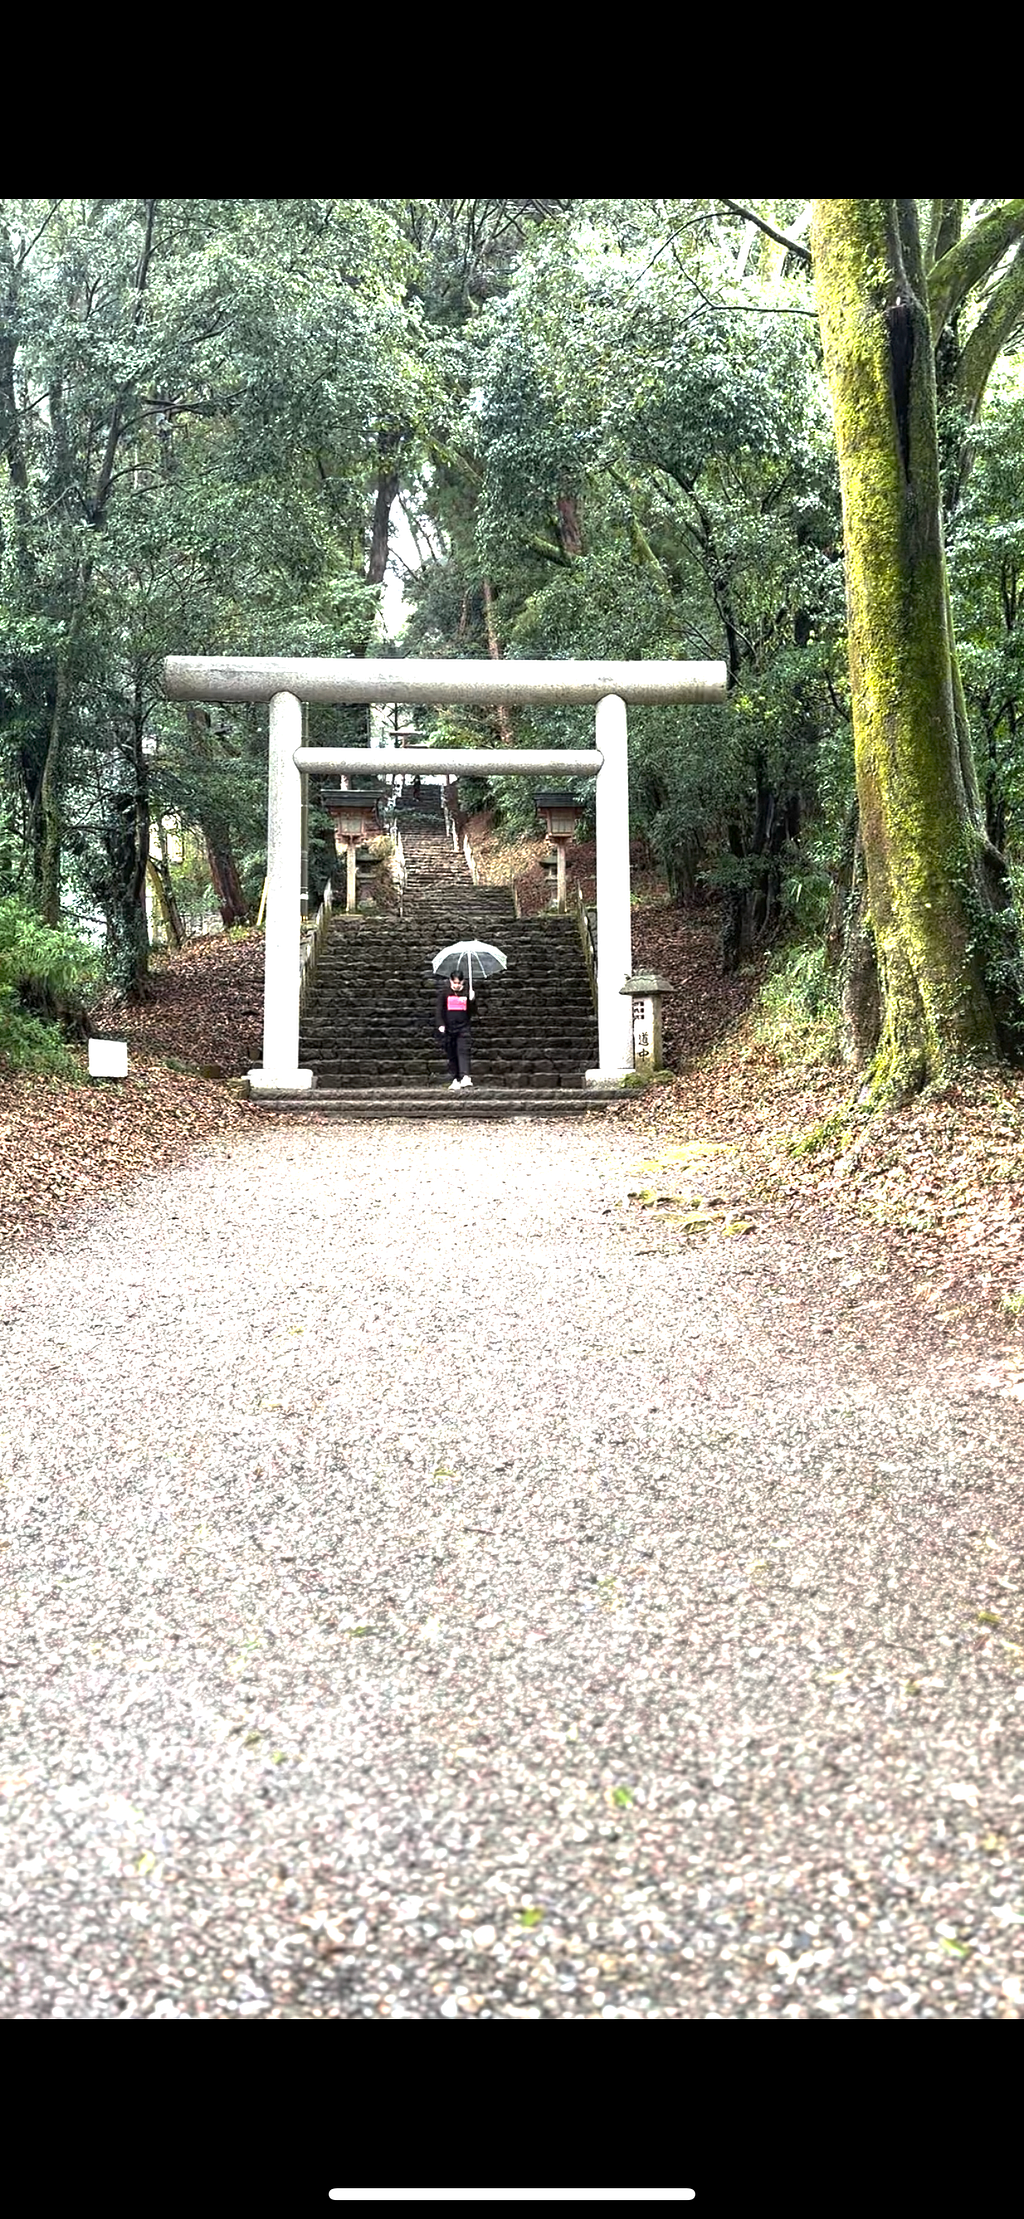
[{"x": 287, "y": 682}]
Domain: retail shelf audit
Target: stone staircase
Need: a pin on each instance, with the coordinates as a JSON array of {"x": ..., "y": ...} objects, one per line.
[{"x": 368, "y": 1029}]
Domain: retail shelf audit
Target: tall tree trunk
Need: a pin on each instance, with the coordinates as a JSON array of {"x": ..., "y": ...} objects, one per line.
[
  {"x": 502, "y": 711},
  {"x": 135, "y": 877},
  {"x": 946, "y": 945},
  {"x": 172, "y": 913},
  {"x": 570, "y": 532},
  {"x": 384, "y": 501},
  {"x": 166, "y": 903},
  {"x": 354, "y": 721},
  {"x": 995, "y": 788},
  {"x": 216, "y": 833},
  {"x": 51, "y": 785},
  {"x": 122, "y": 885},
  {"x": 227, "y": 885}
]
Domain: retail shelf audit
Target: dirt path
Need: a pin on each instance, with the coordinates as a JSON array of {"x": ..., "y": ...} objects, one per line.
[{"x": 428, "y": 1591}]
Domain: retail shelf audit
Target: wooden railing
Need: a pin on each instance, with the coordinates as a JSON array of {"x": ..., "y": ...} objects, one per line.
[{"x": 310, "y": 949}]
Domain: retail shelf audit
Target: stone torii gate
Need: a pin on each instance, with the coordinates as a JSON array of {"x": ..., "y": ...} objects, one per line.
[{"x": 286, "y": 683}]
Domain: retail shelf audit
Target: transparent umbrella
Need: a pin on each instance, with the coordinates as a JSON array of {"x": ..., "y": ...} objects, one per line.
[{"x": 467, "y": 956}]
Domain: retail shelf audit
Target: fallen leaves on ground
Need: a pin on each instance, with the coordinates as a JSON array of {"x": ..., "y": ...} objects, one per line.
[
  {"x": 935, "y": 1188},
  {"x": 204, "y": 1005},
  {"x": 63, "y": 1143}
]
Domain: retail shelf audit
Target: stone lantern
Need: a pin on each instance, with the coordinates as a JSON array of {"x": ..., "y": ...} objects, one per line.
[
  {"x": 646, "y": 990},
  {"x": 561, "y": 814},
  {"x": 354, "y": 817}
]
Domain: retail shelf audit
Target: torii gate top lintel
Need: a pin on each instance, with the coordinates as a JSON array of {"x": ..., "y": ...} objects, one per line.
[
  {"x": 286, "y": 682},
  {"x": 436, "y": 682}
]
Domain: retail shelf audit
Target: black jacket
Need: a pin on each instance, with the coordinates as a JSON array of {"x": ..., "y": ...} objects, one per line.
[{"x": 454, "y": 1019}]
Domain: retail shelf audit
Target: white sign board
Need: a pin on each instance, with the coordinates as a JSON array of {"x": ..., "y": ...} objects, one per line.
[{"x": 108, "y": 1059}]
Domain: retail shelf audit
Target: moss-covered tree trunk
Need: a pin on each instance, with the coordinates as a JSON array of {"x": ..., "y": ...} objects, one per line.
[{"x": 944, "y": 935}]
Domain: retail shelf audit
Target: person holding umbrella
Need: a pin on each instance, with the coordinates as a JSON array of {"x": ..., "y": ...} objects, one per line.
[
  {"x": 458, "y": 962},
  {"x": 454, "y": 1020}
]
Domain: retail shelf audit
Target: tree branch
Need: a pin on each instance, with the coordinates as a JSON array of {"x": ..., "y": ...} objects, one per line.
[
  {"x": 781, "y": 238},
  {"x": 37, "y": 235},
  {"x": 842, "y": 713},
  {"x": 930, "y": 230},
  {"x": 142, "y": 269},
  {"x": 455, "y": 461},
  {"x": 972, "y": 258},
  {"x": 950, "y": 227},
  {"x": 549, "y": 550},
  {"x": 641, "y": 544},
  {"x": 1001, "y": 317},
  {"x": 99, "y": 502}
]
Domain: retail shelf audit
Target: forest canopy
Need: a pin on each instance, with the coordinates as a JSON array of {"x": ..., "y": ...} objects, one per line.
[{"x": 575, "y": 428}]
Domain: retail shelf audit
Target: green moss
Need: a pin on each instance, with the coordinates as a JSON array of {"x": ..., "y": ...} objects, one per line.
[
  {"x": 916, "y": 813},
  {"x": 818, "y": 1136}
]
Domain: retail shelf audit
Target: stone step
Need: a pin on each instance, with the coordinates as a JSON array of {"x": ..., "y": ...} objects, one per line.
[
  {"x": 396, "y": 1054},
  {"x": 389, "y": 959},
  {"x": 388, "y": 1049},
  {"x": 370, "y": 1007},
  {"x": 522, "y": 1011},
  {"x": 331, "y": 1072},
  {"x": 421, "y": 913},
  {"x": 412, "y": 1039},
  {"x": 411, "y": 972},
  {"x": 429, "y": 1048},
  {"x": 526, "y": 966},
  {"x": 397, "y": 954},
  {"x": 373, "y": 995},
  {"x": 414, "y": 978},
  {"x": 468, "y": 1104},
  {"x": 372, "y": 1003},
  {"x": 502, "y": 1055}
]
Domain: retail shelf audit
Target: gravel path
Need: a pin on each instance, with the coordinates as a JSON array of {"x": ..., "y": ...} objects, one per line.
[{"x": 402, "y": 1619}]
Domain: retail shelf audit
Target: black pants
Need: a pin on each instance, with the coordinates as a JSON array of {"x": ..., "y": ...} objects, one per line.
[{"x": 460, "y": 1049}]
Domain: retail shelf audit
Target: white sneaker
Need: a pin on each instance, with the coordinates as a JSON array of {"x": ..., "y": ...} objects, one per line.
[
  {"x": 465, "y": 1082},
  {"x": 455, "y": 1085}
]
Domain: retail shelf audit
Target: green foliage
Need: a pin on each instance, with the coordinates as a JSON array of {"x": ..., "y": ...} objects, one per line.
[
  {"x": 798, "y": 1016},
  {"x": 986, "y": 561},
  {"x": 995, "y": 942},
  {"x": 50, "y": 967},
  {"x": 649, "y": 472},
  {"x": 202, "y": 397}
]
